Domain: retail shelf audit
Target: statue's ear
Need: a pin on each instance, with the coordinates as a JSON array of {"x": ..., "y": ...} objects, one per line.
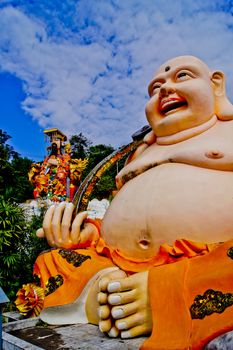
[
  {"x": 218, "y": 80},
  {"x": 223, "y": 107}
]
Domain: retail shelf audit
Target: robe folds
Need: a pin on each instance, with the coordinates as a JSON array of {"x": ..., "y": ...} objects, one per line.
[
  {"x": 191, "y": 300},
  {"x": 190, "y": 287}
]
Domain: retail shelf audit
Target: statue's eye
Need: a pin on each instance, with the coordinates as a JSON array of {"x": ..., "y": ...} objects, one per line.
[
  {"x": 154, "y": 88},
  {"x": 184, "y": 75}
]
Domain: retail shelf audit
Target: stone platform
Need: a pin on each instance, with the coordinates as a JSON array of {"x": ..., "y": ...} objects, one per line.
[{"x": 31, "y": 334}]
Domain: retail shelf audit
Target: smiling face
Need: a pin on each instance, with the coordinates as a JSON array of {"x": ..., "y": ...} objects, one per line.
[{"x": 181, "y": 96}]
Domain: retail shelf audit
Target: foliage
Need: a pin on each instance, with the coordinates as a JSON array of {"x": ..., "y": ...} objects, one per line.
[
  {"x": 11, "y": 223},
  {"x": 19, "y": 246},
  {"x": 14, "y": 169},
  {"x": 6, "y": 170},
  {"x": 96, "y": 154},
  {"x": 106, "y": 184},
  {"x": 22, "y": 188},
  {"x": 79, "y": 146}
]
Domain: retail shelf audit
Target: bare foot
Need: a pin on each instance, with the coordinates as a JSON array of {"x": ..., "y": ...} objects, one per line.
[
  {"x": 106, "y": 321},
  {"x": 131, "y": 310}
]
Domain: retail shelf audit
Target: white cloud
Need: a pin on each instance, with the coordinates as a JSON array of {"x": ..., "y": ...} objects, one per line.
[{"x": 92, "y": 76}]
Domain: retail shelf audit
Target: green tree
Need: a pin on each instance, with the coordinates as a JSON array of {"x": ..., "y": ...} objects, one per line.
[
  {"x": 12, "y": 224},
  {"x": 14, "y": 169},
  {"x": 96, "y": 154},
  {"x": 19, "y": 246},
  {"x": 106, "y": 184},
  {"x": 79, "y": 146},
  {"x": 6, "y": 169},
  {"x": 21, "y": 186},
  {"x": 104, "y": 187}
]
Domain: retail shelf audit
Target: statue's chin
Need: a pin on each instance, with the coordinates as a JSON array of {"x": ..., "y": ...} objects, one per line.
[{"x": 187, "y": 133}]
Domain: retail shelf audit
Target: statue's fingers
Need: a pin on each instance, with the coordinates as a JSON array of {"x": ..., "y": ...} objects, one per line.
[
  {"x": 40, "y": 233},
  {"x": 88, "y": 233},
  {"x": 56, "y": 223},
  {"x": 76, "y": 227},
  {"x": 47, "y": 225},
  {"x": 66, "y": 222}
]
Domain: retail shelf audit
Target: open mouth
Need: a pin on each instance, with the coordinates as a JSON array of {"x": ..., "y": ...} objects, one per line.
[{"x": 171, "y": 104}]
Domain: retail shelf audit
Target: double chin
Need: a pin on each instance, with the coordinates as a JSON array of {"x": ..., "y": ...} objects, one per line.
[{"x": 188, "y": 129}]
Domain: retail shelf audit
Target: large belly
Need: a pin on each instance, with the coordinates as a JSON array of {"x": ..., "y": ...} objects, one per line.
[{"x": 170, "y": 202}]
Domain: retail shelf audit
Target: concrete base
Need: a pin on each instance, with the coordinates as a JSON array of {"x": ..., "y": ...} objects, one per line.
[{"x": 31, "y": 334}]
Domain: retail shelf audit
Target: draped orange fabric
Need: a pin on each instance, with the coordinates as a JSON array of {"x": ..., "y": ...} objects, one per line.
[
  {"x": 167, "y": 254},
  {"x": 191, "y": 301},
  {"x": 72, "y": 279},
  {"x": 62, "y": 280}
]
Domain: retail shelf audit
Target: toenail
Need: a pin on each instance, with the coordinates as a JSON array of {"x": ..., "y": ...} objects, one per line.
[
  {"x": 114, "y": 299},
  {"x": 117, "y": 313},
  {"x": 125, "y": 335},
  {"x": 113, "y": 333},
  {"x": 114, "y": 286},
  {"x": 121, "y": 325}
]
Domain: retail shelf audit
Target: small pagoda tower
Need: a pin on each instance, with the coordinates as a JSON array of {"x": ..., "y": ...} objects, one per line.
[{"x": 55, "y": 136}]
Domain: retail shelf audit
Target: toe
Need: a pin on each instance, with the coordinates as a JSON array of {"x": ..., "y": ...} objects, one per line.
[
  {"x": 122, "y": 298},
  {"x": 102, "y": 298},
  {"x": 104, "y": 312},
  {"x": 103, "y": 284},
  {"x": 105, "y": 326},
  {"x": 125, "y": 310},
  {"x": 114, "y": 332},
  {"x": 131, "y": 321},
  {"x": 136, "y": 331},
  {"x": 114, "y": 275},
  {"x": 117, "y": 313}
]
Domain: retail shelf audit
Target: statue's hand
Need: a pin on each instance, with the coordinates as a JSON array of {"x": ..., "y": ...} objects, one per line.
[{"x": 62, "y": 231}]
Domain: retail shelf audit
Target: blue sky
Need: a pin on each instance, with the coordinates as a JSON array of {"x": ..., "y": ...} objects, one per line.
[{"x": 84, "y": 65}]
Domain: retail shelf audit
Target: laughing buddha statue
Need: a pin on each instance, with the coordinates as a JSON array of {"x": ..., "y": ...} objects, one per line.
[{"x": 160, "y": 263}]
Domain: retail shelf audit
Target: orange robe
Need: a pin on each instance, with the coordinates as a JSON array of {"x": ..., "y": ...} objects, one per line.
[
  {"x": 177, "y": 275},
  {"x": 191, "y": 300}
]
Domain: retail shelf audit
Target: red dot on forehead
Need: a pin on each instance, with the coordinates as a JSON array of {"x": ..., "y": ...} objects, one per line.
[{"x": 167, "y": 68}]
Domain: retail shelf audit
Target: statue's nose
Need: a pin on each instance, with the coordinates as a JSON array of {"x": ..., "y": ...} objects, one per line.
[{"x": 166, "y": 90}]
